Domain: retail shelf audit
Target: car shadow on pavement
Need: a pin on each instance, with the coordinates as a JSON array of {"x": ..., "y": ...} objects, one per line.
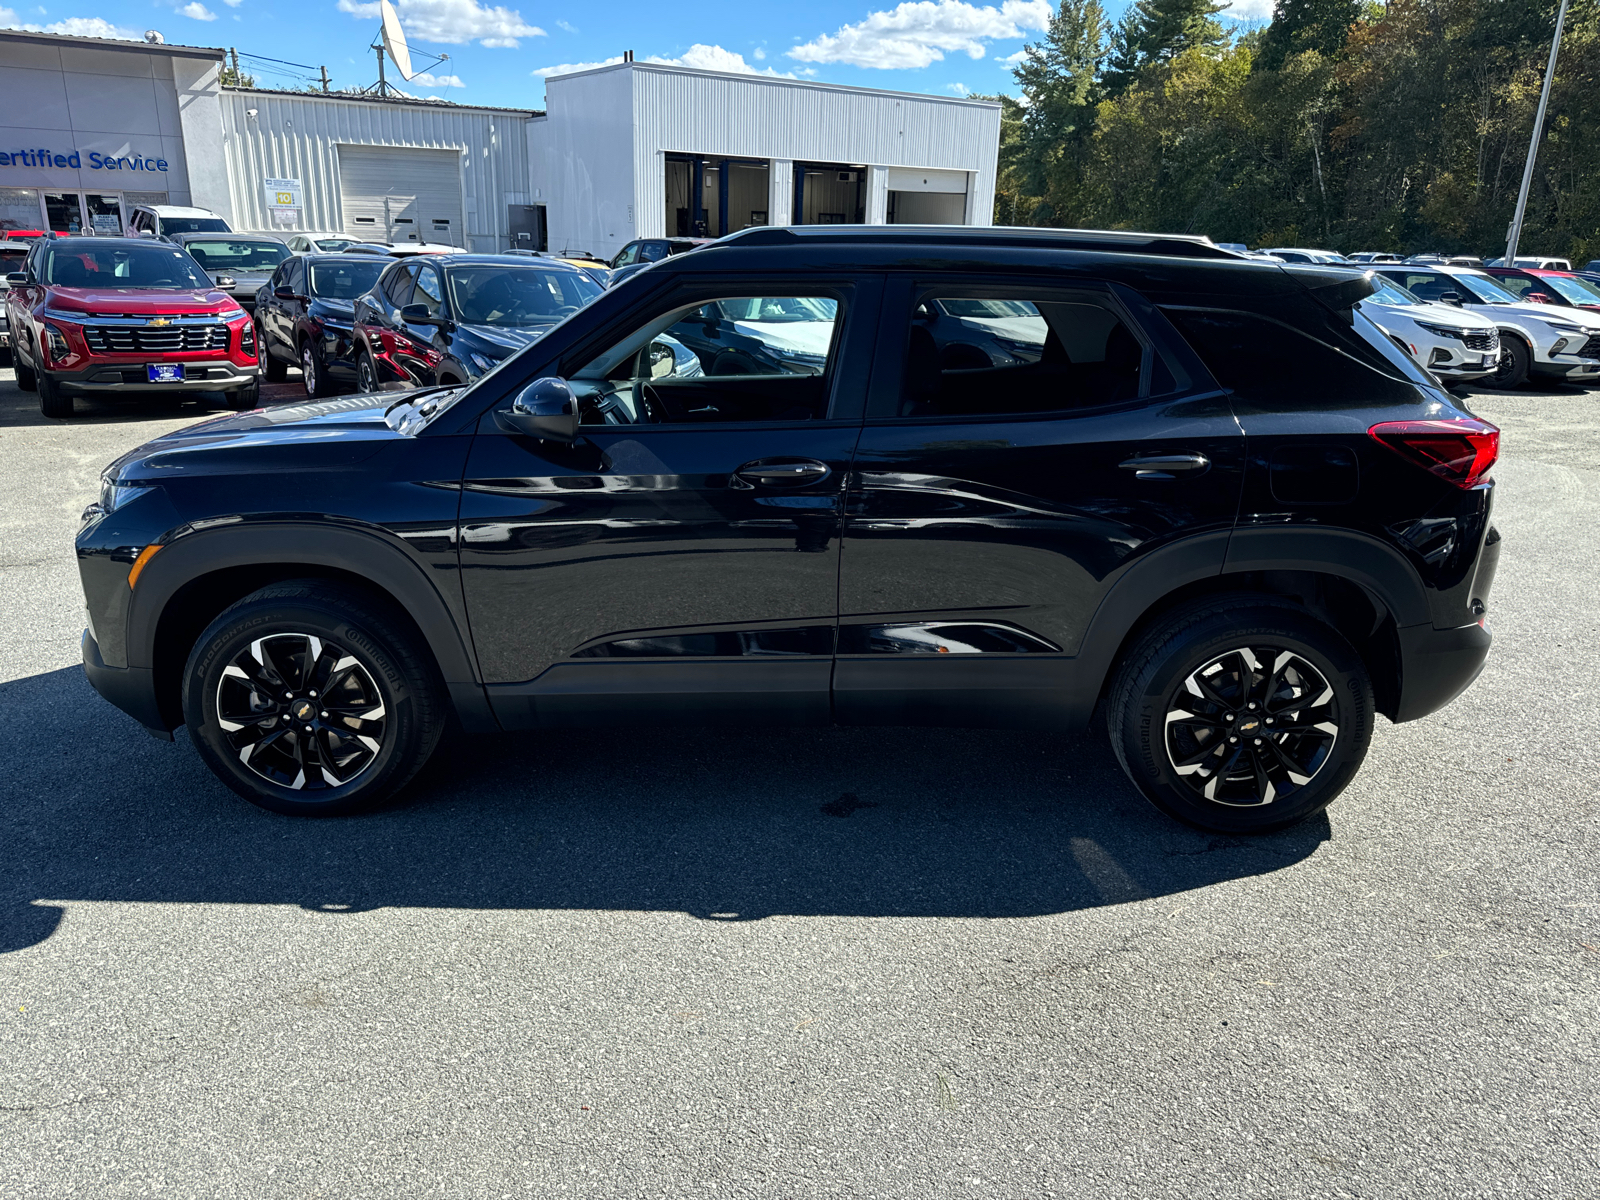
[
  {"x": 20, "y": 409},
  {"x": 723, "y": 825}
]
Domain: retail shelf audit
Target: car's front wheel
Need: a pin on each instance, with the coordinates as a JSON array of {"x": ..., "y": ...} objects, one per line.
[
  {"x": 312, "y": 373},
  {"x": 53, "y": 402},
  {"x": 1511, "y": 369},
  {"x": 27, "y": 377},
  {"x": 366, "y": 373},
  {"x": 245, "y": 398},
  {"x": 274, "y": 368},
  {"x": 312, "y": 699},
  {"x": 1241, "y": 714}
]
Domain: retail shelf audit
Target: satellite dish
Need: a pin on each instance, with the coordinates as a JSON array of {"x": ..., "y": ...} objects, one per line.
[{"x": 394, "y": 39}]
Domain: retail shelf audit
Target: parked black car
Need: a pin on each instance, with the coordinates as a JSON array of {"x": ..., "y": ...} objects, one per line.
[
  {"x": 305, "y": 315},
  {"x": 640, "y": 253},
  {"x": 448, "y": 318},
  {"x": 1243, "y": 541}
]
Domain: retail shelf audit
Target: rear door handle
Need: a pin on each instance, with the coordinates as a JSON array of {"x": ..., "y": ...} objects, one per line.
[
  {"x": 1165, "y": 466},
  {"x": 787, "y": 473}
]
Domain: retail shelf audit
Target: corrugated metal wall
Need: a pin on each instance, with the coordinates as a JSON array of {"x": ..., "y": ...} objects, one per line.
[{"x": 297, "y": 137}]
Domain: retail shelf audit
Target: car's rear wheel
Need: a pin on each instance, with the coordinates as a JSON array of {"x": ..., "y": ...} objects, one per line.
[
  {"x": 312, "y": 699},
  {"x": 27, "y": 377},
  {"x": 53, "y": 402},
  {"x": 1511, "y": 370},
  {"x": 1241, "y": 714},
  {"x": 366, "y": 373},
  {"x": 274, "y": 368},
  {"x": 312, "y": 373}
]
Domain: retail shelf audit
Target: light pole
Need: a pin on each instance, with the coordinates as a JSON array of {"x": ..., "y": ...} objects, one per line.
[{"x": 1514, "y": 234}]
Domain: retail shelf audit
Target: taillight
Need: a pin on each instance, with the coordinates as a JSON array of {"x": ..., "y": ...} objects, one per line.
[{"x": 1458, "y": 449}]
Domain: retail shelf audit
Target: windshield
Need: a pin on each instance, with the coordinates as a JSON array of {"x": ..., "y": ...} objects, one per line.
[
  {"x": 1392, "y": 293},
  {"x": 1575, "y": 291},
  {"x": 779, "y": 309},
  {"x": 344, "y": 280},
  {"x": 333, "y": 245},
  {"x": 231, "y": 255},
  {"x": 125, "y": 265},
  {"x": 517, "y": 296},
  {"x": 172, "y": 225},
  {"x": 1485, "y": 289}
]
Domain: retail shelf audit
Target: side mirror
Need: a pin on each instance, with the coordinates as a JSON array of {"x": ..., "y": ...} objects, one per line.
[
  {"x": 546, "y": 409},
  {"x": 662, "y": 360},
  {"x": 418, "y": 314},
  {"x": 1451, "y": 298},
  {"x": 17, "y": 278},
  {"x": 283, "y": 293},
  {"x": 226, "y": 281}
]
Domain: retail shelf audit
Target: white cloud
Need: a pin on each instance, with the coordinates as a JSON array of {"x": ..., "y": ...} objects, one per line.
[
  {"x": 959, "y": 89},
  {"x": 233, "y": 3},
  {"x": 564, "y": 27},
  {"x": 699, "y": 56},
  {"x": 1012, "y": 60},
  {"x": 428, "y": 79},
  {"x": 73, "y": 27},
  {"x": 758, "y": 54},
  {"x": 197, "y": 12},
  {"x": 1248, "y": 10},
  {"x": 453, "y": 22},
  {"x": 919, "y": 33}
]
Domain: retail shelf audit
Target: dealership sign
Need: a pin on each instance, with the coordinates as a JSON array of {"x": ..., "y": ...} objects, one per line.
[
  {"x": 283, "y": 202},
  {"x": 74, "y": 161}
]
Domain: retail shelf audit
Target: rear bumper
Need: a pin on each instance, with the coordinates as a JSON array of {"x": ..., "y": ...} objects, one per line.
[
  {"x": 132, "y": 689},
  {"x": 220, "y": 375},
  {"x": 1437, "y": 665}
]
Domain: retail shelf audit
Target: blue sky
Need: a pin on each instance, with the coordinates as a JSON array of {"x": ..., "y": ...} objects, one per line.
[{"x": 500, "y": 53}]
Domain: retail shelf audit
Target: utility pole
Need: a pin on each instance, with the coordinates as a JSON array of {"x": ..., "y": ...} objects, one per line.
[
  {"x": 324, "y": 71},
  {"x": 235, "y": 54},
  {"x": 1514, "y": 234}
]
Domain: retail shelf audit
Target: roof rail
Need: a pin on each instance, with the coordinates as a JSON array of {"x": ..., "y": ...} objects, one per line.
[{"x": 1174, "y": 244}]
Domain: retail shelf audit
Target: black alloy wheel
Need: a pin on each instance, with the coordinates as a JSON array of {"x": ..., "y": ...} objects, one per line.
[
  {"x": 312, "y": 699},
  {"x": 274, "y": 368},
  {"x": 366, "y": 373},
  {"x": 1241, "y": 714},
  {"x": 1511, "y": 368},
  {"x": 312, "y": 373}
]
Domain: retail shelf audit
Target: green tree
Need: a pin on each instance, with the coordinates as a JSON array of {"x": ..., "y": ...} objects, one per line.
[
  {"x": 1300, "y": 25},
  {"x": 1058, "y": 77}
]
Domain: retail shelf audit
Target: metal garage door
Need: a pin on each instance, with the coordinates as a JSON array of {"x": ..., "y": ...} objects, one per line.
[{"x": 402, "y": 195}]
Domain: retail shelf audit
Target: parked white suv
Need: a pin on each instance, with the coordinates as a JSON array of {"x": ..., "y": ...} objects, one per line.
[
  {"x": 1564, "y": 344},
  {"x": 164, "y": 220},
  {"x": 1453, "y": 343}
]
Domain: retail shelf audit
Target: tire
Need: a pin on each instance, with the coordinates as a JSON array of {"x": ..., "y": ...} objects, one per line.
[
  {"x": 275, "y": 369},
  {"x": 312, "y": 371},
  {"x": 27, "y": 377},
  {"x": 245, "y": 398},
  {"x": 53, "y": 402},
  {"x": 1203, "y": 651},
  {"x": 367, "y": 374},
  {"x": 363, "y": 750},
  {"x": 1511, "y": 371}
]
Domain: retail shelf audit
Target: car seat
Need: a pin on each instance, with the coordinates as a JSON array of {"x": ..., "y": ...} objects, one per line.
[{"x": 919, "y": 390}]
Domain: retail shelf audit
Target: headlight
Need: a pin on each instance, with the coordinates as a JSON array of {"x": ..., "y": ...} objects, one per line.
[
  {"x": 114, "y": 495},
  {"x": 63, "y": 314},
  {"x": 57, "y": 341},
  {"x": 1444, "y": 331},
  {"x": 799, "y": 356},
  {"x": 1564, "y": 326}
]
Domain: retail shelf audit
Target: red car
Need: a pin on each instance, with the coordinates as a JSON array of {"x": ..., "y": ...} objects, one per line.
[
  {"x": 26, "y": 235},
  {"x": 108, "y": 316},
  {"x": 1565, "y": 289}
]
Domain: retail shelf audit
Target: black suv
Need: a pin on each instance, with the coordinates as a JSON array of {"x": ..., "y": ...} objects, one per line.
[
  {"x": 448, "y": 318},
  {"x": 1217, "y": 504}
]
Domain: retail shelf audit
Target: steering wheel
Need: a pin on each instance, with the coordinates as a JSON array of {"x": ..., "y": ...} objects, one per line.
[{"x": 651, "y": 407}]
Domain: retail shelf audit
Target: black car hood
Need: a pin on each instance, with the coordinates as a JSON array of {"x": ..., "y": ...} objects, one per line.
[
  {"x": 320, "y": 435},
  {"x": 342, "y": 310},
  {"x": 499, "y": 341}
]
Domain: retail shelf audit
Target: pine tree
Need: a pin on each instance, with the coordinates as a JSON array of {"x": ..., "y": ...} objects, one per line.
[
  {"x": 1058, "y": 76},
  {"x": 1152, "y": 32},
  {"x": 1301, "y": 25}
]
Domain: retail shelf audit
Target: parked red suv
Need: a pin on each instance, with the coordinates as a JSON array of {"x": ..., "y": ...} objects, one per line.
[{"x": 107, "y": 316}]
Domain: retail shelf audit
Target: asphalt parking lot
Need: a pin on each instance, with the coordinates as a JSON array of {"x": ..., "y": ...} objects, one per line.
[{"x": 810, "y": 963}]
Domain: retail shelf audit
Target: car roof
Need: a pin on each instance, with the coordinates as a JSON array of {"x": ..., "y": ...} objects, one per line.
[
  {"x": 508, "y": 260},
  {"x": 1177, "y": 244},
  {"x": 339, "y": 256},
  {"x": 192, "y": 235},
  {"x": 177, "y": 210}
]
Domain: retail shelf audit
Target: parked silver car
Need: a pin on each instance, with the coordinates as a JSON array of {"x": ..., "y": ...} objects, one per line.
[{"x": 248, "y": 259}]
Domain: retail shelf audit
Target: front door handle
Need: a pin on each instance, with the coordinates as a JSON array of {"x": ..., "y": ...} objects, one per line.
[
  {"x": 1165, "y": 466},
  {"x": 784, "y": 473}
]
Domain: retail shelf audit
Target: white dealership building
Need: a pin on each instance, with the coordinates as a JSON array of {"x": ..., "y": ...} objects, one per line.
[{"x": 93, "y": 127}]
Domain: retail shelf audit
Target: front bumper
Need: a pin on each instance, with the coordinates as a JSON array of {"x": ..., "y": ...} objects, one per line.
[
  {"x": 132, "y": 689},
  {"x": 1567, "y": 366},
  {"x": 219, "y": 376}
]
